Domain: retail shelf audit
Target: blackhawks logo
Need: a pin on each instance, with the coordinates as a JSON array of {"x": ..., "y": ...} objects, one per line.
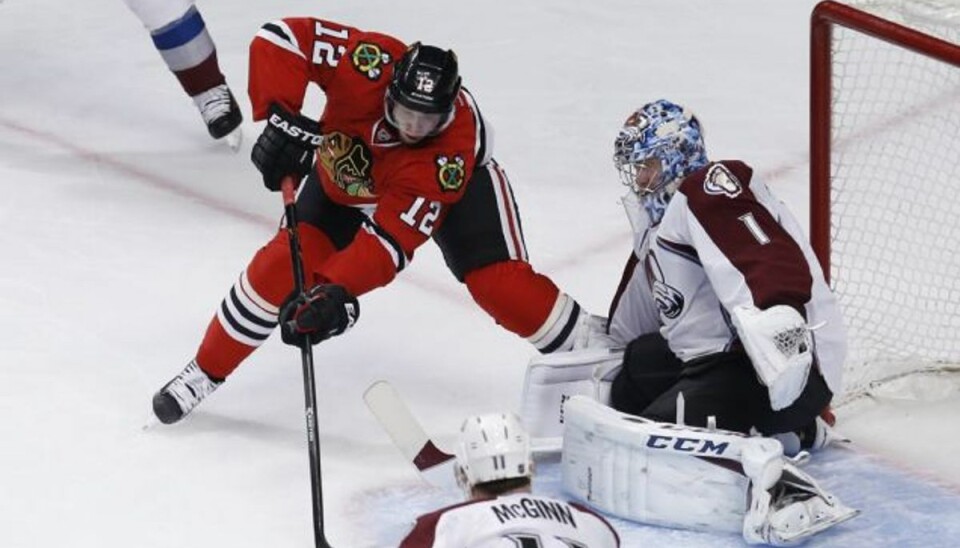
[
  {"x": 348, "y": 163},
  {"x": 369, "y": 59},
  {"x": 450, "y": 173}
]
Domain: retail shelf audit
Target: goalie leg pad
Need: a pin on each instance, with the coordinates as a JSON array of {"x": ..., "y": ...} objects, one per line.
[
  {"x": 693, "y": 478},
  {"x": 650, "y": 368},
  {"x": 659, "y": 473},
  {"x": 552, "y": 379}
]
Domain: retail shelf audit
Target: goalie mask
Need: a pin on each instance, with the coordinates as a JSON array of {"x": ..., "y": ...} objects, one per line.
[
  {"x": 492, "y": 447},
  {"x": 658, "y": 145}
]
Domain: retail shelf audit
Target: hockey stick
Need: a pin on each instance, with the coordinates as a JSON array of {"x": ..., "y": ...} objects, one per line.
[
  {"x": 288, "y": 188},
  {"x": 434, "y": 464}
]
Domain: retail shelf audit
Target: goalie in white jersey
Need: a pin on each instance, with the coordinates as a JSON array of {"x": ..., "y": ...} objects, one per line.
[
  {"x": 723, "y": 299},
  {"x": 494, "y": 467},
  {"x": 715, "y": 305}
]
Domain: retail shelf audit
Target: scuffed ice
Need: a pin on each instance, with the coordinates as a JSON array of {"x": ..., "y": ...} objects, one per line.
[{"x": 897, "y": 508}]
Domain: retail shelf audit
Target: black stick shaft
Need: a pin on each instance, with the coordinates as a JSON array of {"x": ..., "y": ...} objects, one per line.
[{"x": 288, "y": 189}]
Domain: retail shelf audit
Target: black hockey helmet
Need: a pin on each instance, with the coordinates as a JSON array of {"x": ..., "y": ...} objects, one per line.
[{"x": 426, "y": 80}]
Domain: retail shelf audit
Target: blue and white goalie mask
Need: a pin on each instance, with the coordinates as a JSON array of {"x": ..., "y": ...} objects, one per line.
[{"x": 658, "y": 145}]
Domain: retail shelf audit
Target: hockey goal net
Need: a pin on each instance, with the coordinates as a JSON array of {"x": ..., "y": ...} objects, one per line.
[{"x": 885, "y": 181}]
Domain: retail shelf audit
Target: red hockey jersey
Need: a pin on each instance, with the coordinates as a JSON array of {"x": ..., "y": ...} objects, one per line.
[{"x": 405, "y": 189}]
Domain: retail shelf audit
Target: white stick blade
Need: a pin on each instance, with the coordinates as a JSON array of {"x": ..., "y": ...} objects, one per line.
[
  {"x": 434, "y": 464},
  {"x": 404, "y": 429}
]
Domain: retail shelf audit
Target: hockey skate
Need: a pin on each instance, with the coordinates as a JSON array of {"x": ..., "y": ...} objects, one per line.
[
  {"x": 795, "y": 509},
  {"x": 221, "y": 113},
  {"x": 179, "y": 396}
]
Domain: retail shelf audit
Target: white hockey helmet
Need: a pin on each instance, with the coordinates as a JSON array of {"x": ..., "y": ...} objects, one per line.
[{"x": 493, "y": 447}]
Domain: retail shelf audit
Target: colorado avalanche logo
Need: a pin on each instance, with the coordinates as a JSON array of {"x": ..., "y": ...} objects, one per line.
[
  {"x": 637, "y": 122},
  {"x": 719, "y": 181},
  {"x": 669, "y": 300},
  {"x": 369, "y": 59}
]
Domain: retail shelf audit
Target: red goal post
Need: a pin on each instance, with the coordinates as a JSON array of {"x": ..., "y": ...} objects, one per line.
[{"x": 885, "y": 180}]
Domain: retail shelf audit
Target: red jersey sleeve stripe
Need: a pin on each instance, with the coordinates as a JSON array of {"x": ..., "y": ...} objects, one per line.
[{"x": 508, "y": 213}]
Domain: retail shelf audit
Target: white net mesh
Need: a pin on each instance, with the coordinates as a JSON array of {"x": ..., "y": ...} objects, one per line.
[{"x": 895, "y": 196}]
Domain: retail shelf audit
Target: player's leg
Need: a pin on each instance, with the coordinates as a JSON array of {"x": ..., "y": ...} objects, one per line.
[
  {"x": 180, "y": 35},
  {"x": 725, "y": 386},
  {"x": 247, "y": 315},
  {"x": 649, "y": 369},
  {"x": 482, "y": 244}
]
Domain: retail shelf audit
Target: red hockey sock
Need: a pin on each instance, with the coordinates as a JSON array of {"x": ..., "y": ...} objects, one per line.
[{"x": 248, "y": 314}]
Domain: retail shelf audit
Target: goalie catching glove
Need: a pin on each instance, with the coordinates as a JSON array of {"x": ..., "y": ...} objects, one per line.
[
  {"x": 779, "y": 345},
  {"x": 321, "y": 312},
  {"x": 285, "y": 147}
]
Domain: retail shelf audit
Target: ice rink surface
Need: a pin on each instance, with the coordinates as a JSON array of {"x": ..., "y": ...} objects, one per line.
[{"x": 122, "y": 225}]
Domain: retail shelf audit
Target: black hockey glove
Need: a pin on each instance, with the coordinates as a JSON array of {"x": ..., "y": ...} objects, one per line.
[
  {"x": 285, "y": 147},
  {"x": 323, "y": 311}
]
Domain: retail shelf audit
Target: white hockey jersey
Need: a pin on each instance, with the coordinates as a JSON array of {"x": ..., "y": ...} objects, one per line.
[
  {"x": 724, "y": 241},
  {"x": 512, "y": 521}
]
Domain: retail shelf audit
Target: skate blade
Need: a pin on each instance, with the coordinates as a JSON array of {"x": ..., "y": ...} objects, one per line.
[
  {"x": 234, "y": 139},
  {"x": 151, "y": 421},
  {"x": 847, "y": 515}
]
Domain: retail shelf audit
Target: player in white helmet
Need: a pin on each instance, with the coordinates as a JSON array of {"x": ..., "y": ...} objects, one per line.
[{"x": 494, "y": 468}]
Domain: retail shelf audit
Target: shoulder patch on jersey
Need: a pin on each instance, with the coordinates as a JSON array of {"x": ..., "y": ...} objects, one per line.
[
  {"x": 348, "y": 163},
  {"x": 383, "y": 134},
  {"x": 720, "y": 181},
  {"x": 369, "y": 59},
  {"x": 450, "y": 172}
]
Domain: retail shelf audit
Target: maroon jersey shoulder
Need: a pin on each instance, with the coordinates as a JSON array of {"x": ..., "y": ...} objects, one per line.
[
  {"x": 743, "y": 229},
  {"x": 730, "y": 178}
]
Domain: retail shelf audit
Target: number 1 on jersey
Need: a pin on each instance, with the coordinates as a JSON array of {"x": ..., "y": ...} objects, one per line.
[{"x": 755, "y": 229}]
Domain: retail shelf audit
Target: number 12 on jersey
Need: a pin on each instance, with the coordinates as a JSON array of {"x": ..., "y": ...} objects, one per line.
[{"x": 420, "y": 217}]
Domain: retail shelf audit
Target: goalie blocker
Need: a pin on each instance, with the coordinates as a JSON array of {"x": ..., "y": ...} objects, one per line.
[{"x": 691, "y": 478}]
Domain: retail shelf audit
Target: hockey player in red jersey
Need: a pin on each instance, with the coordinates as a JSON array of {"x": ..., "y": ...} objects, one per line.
[
  {"x": 723, "y": 300},
  {"x": 403, "y": 155},
  {"x": 494, "y": 468}
]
